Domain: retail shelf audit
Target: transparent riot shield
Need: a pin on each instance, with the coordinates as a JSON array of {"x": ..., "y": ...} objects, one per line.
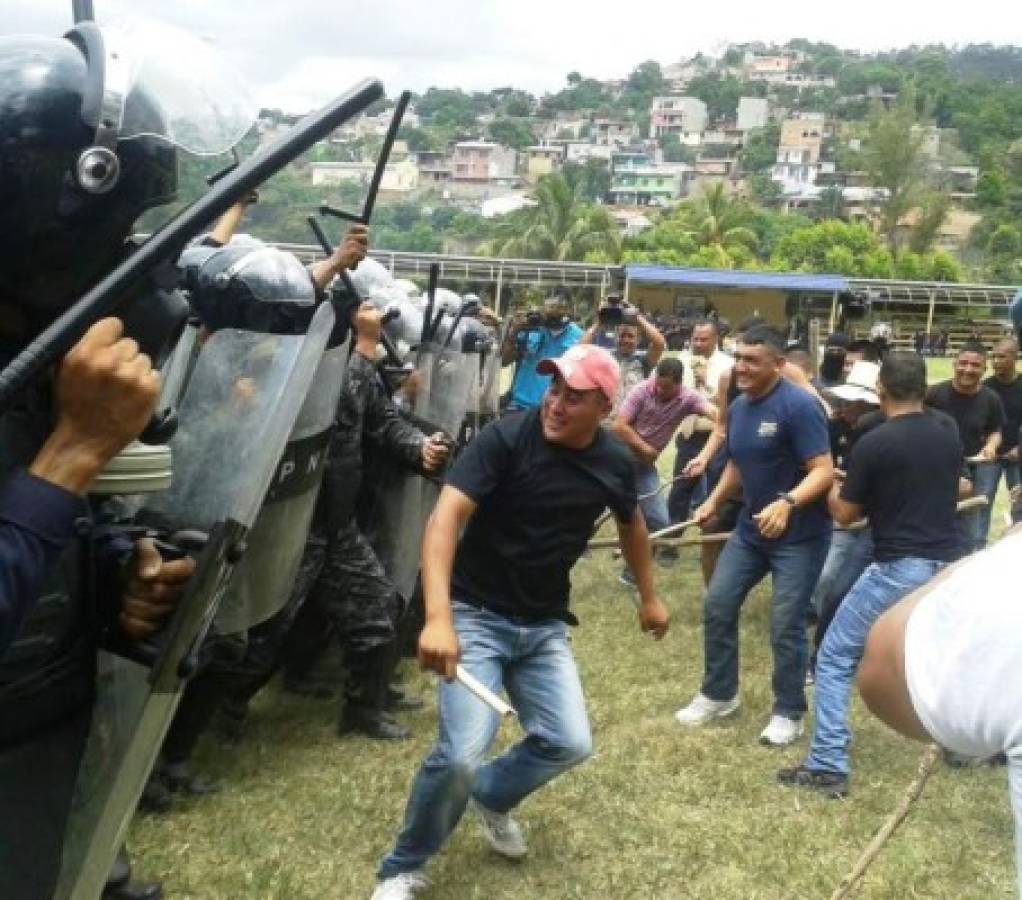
[
  {"x": 240, "y": 405},
  {"x": 484, "y": 403},
  {"x": 263, "y": 580},
  {"x": 442, "y": 380}
]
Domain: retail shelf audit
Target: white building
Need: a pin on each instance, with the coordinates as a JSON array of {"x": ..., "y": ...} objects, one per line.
[
  {"x": 678, "y": 115},
  {"x": 753, "y": 112},
  {"x": 400, "y": 177}
]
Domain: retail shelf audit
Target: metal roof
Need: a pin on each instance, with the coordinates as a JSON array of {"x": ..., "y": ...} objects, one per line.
[{"x": 731, "y": 278}]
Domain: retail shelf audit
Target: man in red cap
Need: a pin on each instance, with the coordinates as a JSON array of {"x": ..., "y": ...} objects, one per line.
[{"x": 523, "y": 497}]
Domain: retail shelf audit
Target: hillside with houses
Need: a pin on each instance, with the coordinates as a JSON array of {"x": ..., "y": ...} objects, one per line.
[{"x": 907, "y": 164}]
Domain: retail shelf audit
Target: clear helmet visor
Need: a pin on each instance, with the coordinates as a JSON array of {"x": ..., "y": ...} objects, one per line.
[{"x": 175, "y": 87}]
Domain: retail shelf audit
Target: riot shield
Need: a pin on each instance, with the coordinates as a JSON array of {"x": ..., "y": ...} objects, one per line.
[
  {"x": 239, "y": 407},
  {"x": 484, "y": 393},
  {"x": 441, "y": 382},
  {"x": 263, "y": 580}
]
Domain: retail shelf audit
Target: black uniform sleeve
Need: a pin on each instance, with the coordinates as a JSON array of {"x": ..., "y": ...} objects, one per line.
[
  {"x": 36, "y": 523},
  {"x": 390, "y": 431},
  {"x": 485, "y": 461}
]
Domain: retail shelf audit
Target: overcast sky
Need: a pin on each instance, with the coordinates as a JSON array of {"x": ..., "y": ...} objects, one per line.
[{"x": 299, "y": 53}]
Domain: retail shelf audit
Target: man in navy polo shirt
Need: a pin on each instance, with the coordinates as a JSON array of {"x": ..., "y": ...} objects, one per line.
[{"x": 779, "y": 451}]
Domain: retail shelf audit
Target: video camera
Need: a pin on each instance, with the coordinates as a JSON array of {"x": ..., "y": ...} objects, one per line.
[{"x": 616, "y": 311}]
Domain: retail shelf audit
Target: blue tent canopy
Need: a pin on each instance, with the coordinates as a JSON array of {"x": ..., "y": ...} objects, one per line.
[{"x": 731, "y": 278}]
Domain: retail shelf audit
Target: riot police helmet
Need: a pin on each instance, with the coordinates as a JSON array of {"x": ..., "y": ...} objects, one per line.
[{"x": 90, "y": 128}]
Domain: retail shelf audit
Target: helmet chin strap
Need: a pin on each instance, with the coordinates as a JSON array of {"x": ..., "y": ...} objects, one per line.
[{"x": 98, "y": 168}]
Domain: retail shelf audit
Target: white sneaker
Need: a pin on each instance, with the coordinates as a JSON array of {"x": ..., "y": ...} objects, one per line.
[
  {"x": 401, "y": 887},
  {"x": 781, "y": 731},
  {"x": 503, "y": 833},
  {"x": 702, "y": 710}
]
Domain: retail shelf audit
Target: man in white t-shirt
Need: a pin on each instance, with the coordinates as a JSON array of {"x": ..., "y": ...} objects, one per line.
[
  {"x": 943, "y": 665},
  {"x": 705, "y": 363}
]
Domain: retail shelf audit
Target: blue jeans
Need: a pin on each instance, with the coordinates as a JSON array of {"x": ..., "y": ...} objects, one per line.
[
  {"x": 794, "y": 569},
  {"x": 654, "y": 509},
  {"x": 684, "y": 494},
  {"x": 881, "y": 586},
  {"x": 533, "y": 662},
  {"x": 849, "y": 554},
  {"x": 988, "y": 479}
]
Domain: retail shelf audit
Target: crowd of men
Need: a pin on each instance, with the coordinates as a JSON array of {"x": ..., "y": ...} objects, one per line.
[{"x": 780, "y": 458}]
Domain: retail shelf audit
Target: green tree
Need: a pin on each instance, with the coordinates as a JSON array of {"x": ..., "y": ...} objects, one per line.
[
  {"x": 446, "y": 107},
  {"x": 591, "y": 179},
  {"x": 418, "y": 138},
  {"x": 560, "y": 226},
  {"x": 644, "y": 83},
  {"x": 764, "y": 190},
  {"x": 893, "y": 158},
  {"x": 760, "y": 151},
  {"x": 827, "y": 245},
  {"x": 512, "y": 133},
  {"x": 675, "y": 150},
  {"x": 720, "y": 223},
  {"x": 721, "y": 94},
  {"x": 992, "y": 189},
  {"x": 943, "y": 267},
  {"x": 830, "y": 204},
  {"x": 933, "y": 209}
]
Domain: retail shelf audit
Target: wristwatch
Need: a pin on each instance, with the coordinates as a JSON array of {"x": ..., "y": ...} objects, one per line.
[{"x": 788, "y": 498}]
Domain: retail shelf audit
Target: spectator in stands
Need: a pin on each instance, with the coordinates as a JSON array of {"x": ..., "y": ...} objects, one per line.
[
  {"x": 910, "y": 500},
  {"x": 527, "y": 342},
  {"x": 704, "y": 366},
  {"x": 919, "y": 342},
  {"x": 646, "y": 422},
  {"x": 1008, "y": 386},
  {"x": 979, "y": 414},
  {"x": 635, "y": 364},
  {"x": 779, "y": 455}
]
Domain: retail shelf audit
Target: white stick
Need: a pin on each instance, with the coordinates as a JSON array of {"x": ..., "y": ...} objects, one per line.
[{"x": 495, "y": 703}]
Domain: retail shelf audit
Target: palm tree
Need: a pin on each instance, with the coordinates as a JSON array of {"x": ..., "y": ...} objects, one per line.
[
  {"x": 560, "y": 226},
  {"x": 717, "y": 221}
]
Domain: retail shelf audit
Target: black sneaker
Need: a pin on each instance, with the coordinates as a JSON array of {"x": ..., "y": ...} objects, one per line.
[{"x": 830, "y": 784}]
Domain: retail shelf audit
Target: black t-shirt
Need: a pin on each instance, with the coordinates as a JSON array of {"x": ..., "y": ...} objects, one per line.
[
  {"x": 537, "y": 504},
  {"x": 1011, "y": 400},
  {"x": 904, "y": 473},
  {"x": 977, "y": 415}
]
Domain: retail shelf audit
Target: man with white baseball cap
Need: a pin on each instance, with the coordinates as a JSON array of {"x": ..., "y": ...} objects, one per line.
[{"x": 515, "y": 515}]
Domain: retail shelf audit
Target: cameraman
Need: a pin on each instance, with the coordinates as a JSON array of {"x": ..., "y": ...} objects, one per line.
[
  {"x": 635, "y": 364},
  {"x": 545, "y": 335}
]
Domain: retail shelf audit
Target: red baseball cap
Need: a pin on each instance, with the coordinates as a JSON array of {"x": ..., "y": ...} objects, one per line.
[{"x": 585, "y": 367}]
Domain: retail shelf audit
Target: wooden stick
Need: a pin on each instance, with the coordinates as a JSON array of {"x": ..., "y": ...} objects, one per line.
[
  {"x": 662, "y": 538},
  {"x": 926, "y": 765},
  {"x": 655, "y": 538},
  {"x": 471, "y": 683},
  {"x": 606, "y": 514}
]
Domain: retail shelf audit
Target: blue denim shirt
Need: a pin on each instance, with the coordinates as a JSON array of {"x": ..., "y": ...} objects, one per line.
[{"x": 528, "y": 387}]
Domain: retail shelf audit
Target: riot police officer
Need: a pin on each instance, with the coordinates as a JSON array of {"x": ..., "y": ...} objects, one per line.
[{"x": 82, "y": 158}]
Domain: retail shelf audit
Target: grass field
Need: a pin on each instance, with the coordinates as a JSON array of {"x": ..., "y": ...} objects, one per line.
[{"x": 659, "y": 812}]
